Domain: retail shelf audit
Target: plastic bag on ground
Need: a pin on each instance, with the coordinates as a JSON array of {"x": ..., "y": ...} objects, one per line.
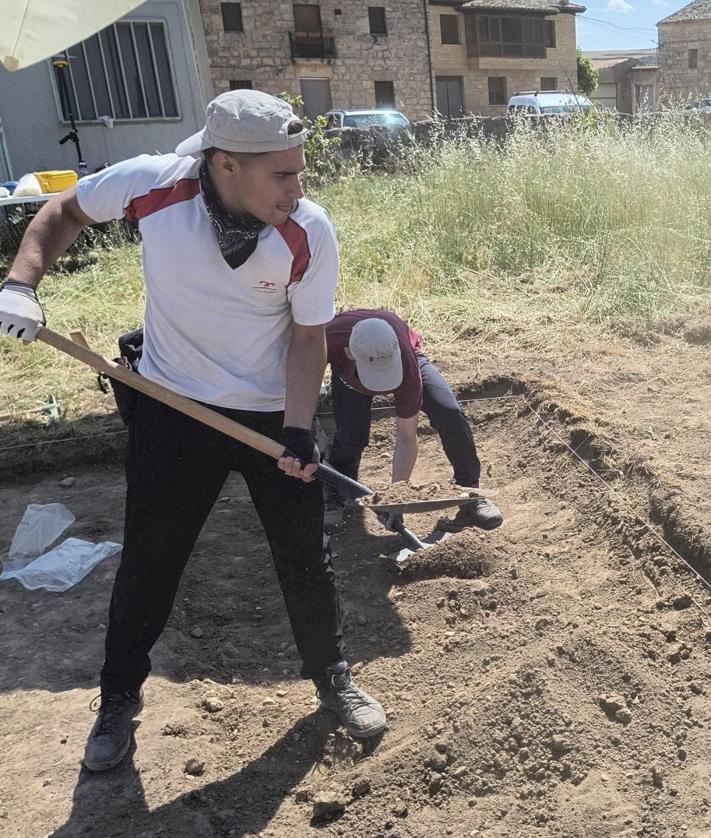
[
  {"x": 40, "y": 527},
  {"x": 64, "y": 566}
]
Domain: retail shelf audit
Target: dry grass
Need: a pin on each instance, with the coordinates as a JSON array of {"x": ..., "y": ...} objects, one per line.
[{"x": 546, "y": 235}]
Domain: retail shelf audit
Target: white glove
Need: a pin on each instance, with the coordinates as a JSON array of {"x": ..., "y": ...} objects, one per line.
[{"x": 21, "y": 314}]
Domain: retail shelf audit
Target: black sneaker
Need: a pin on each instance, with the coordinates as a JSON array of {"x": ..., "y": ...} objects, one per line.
[
  {"x": 361, "y": 715},
  {"x": 481, "y": 513},
  {"x": 110, "y": 737}
]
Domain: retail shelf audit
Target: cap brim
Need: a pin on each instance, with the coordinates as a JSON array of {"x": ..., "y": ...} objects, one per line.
[
  {"x": 192, "y": 146},
  {"x": 381, "y": 380}
]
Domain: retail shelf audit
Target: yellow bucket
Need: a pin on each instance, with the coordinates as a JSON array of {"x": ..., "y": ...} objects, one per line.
[{"x": 56, "y": 181}]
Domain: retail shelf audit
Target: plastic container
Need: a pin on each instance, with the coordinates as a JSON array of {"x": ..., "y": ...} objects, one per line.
[
  {"x": 9, "y": 185},
  {"x": 56, "y": 181}
]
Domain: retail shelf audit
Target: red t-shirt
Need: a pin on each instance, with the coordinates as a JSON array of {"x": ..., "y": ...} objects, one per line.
[{"x": 408, "y": 396}]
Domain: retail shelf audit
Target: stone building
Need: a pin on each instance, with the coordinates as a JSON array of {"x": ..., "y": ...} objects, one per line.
[
  {"x": 334, "y": 53},
  {"x": 685, "y": 52},
  {"x": 628, "y": 81},
  {"x": 483, "y": 51},
  {"x": 459, "y": 56}
]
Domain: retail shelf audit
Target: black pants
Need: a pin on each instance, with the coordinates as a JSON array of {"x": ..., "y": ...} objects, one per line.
[
  {"x": 352, "y": 414},
  {"x": 175, "y": 469}
]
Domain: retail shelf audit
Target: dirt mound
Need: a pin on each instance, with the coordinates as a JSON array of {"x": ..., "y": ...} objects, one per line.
[
  {"x": 547, "y": 678},
  {"x": 463, "y": 556}
]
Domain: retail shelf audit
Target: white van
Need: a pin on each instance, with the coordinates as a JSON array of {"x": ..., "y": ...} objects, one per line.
[{"x": 548, "y": 103}]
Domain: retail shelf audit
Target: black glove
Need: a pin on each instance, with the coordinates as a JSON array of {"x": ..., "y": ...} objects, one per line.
[
  {"x": 392, "y": 521},
  {"x": 300, "y": 443}
]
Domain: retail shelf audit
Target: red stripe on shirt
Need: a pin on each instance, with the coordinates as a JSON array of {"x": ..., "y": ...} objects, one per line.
[
  {"x": 158, "y": 199},
  {"x": 295, "y": 237}
]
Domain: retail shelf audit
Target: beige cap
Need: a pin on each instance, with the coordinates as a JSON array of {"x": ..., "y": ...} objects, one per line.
[
  {"x": 244, "y": 120},
  {"x": 376, "y": 352}
]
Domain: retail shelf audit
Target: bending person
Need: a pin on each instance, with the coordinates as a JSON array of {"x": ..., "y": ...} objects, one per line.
[{"x": 374, "y": 352}]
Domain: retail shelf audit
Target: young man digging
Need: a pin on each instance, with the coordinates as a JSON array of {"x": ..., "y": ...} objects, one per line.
[
  {"x": 375, "y": 352},
  {"x": 240, "y": 271}
]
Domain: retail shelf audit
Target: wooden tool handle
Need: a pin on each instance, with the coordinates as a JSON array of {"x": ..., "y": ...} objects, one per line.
[
  {"x": 349, "y": 488},
  {"x": 162, "y": 394}
]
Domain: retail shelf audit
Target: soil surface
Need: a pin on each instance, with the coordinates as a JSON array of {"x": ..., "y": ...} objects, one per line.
[{"x": 546, "y": 678}]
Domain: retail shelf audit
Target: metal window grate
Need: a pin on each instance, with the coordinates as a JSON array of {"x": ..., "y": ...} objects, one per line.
[
  {"x": 232, "y": 17},
  {"x": 376, "y": 20},
  {"x": 123, "y": 72},
  {"x": 497, "y": 90}
]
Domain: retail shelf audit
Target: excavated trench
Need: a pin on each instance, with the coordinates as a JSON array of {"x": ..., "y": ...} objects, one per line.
[{"x": 546, "y": 678}]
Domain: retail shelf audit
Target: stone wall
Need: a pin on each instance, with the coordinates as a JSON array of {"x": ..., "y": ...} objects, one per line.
[
  {"x": 521, "y": 73},
  {"x": 261, "y": 54},
  {"x": 677, "y": 79}
]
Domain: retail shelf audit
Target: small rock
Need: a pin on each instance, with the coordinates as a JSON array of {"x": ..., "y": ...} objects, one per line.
[
  {"x": 611, "y": 702},
  {"x": 623, "y": 716},
  {"x": 679, "y": 653},
  {"x": 657, "y": 776},
  {"x": 560, "y": 745},
  {"x": 197, "y": 632},
  {"x": 194, "y": 767},
  {"x": 361, "y": 787},
  {"x": 67, "y": 483},
  {"x": 328, "y": 805},
  {"x": 302, "y": 796},
  {"x": 682, "y": 601},
  {"x": 268, "y": 702},
  {"x": 400, "y": 809},
  {"x": 361, "y": 620},
  {"x": 212, "y": 704}
]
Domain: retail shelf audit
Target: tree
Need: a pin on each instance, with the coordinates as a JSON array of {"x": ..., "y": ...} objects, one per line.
[{"x": 587, "y": 74}]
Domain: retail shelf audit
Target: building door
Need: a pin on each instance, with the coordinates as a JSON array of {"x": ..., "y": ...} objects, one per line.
[
  {"x": 450, "y": 96},
  {"x": 316, "y": 94}
]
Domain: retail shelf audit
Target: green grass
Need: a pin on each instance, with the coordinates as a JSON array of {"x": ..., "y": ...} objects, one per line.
[
  {"x": 578, "y": 225},
  {"x": 610, "y": 222}
]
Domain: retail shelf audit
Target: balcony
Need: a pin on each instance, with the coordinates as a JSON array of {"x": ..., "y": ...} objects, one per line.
[{"x": 321, "y": 45}]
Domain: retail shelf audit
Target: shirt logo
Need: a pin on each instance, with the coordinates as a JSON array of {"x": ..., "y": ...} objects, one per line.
[{"x": 265, "y": 287}]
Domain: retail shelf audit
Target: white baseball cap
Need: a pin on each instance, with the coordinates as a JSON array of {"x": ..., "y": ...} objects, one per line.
[
  {"x": 245, "y": 120},
  {"x": 376, "y": 352}
]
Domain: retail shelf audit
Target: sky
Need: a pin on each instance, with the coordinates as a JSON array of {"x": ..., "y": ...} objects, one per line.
[{"x": 622, "y": 24}]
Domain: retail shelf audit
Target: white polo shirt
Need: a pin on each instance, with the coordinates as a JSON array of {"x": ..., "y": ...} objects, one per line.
[{"x": 213, "y": 333}]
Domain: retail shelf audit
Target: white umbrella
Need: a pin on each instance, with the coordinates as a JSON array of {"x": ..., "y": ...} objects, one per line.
[{"x": 32, "y": 30}]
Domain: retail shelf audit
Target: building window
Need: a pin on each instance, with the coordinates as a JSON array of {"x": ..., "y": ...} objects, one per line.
[
  {"x": 644, "y": 97},
  {"x": 240, "y": 84},
  {"x": 515, "y": 37},
  {"x": 384, "y": 94},
  {"x": 307, "y": 18},
  {"x": 497, "y": 90},
  {"x": 550, "y": 33},
  {"x": 693, "y": 59},
  {"x": 449, "y": 29},
  {"x": 549, "y": 83},
  {"x": 123, "y": 72},
  {"x": 232, "y": 17},
  {"x": 376, "y": 18}
]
